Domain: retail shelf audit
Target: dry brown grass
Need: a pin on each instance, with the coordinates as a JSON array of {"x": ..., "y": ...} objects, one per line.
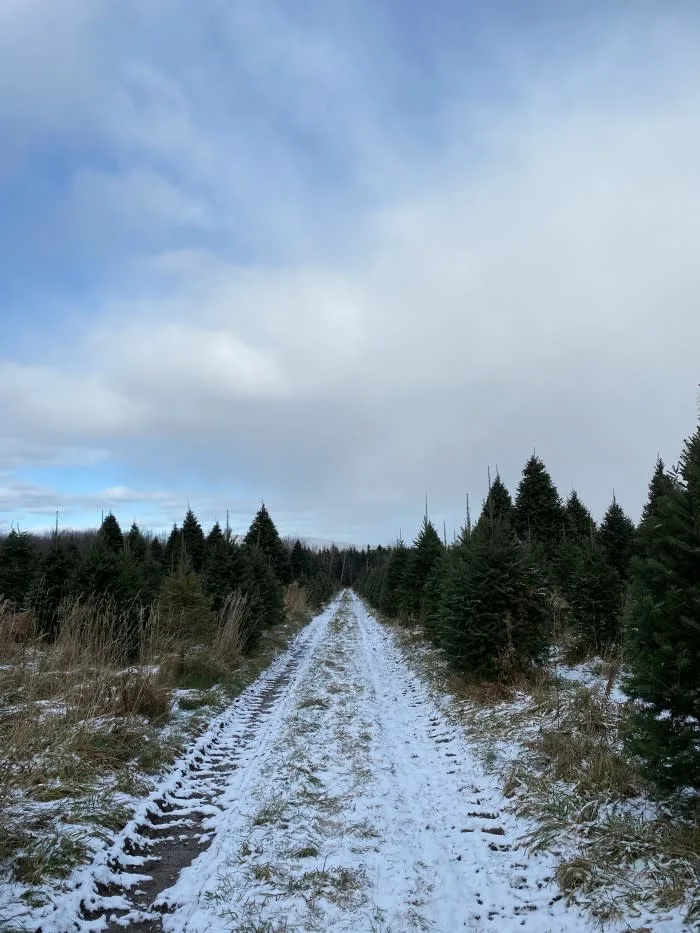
[
  {"x": 229, "y": 639},
  {"x": 296, "y": 601}
]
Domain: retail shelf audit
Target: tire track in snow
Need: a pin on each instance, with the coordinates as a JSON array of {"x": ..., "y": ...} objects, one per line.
[
  {"x": 399, "y": 830},
  {"x": 180, "y": 818},
  {"x": 333, "y": 797}
]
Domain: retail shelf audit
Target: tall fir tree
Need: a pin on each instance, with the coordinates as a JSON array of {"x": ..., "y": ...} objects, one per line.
[
  {"x": 18, "y": 564},
  {"x": 538, "y": 514},
  {"x": 493, "y": 614},
  {"x": 298, "y": 561},
  {"x": 264, "y": 536},
  {"x": 393, "y": 579},
  {"x": 664, "y": 627},
  {"x": 111, "y": 534},
  {"x": 578, "y": 531},
  {"x": 174, "y": 551},
  {"x": 578, "y": 521},
  {"x": 595, "y": 594},
  {"x": 183, "y": 605},
  {"x": 498, "y": 505},
  {"x": 224, "y": 567},
  {"x": 264, "y": 594},
  {"x": 426, "y": 551},
  {"x": 156, "y": 550},
  {"x": 136, "y": 544},
  {"x": 193, "y": 541},
  {"x": 617, "y": 538},
  {"x": 52, "y": 585}
]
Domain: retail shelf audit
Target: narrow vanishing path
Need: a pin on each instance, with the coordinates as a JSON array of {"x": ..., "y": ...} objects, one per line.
[{"x": 334, "y": 796}]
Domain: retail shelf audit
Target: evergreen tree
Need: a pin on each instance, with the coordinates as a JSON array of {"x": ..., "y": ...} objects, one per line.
[
  {"x": 617, "y": 538},
  {"x": 264, "y": 594},
  {"x": 18, "y": 563},
  {"x": 664, "y": 627},
  {"x": 660, "y": 484},
  {"x": 578, "y": 531},
  {"x": 596, "y": 600},
  {"x": 498, "y": 505},
  {"x": 297, "y": 561},
  {"x": 136, "y": 544},
  {"x": 156, "y": 551},
  {"x": 224, "y": 568},
  {"x": 111, "y": 534},
  {"x": 578, "y": 521},
  {"x": 433, "y": 592},
  {"x": 193, "y": 541},
  {"x": 99, "y": 574},
  {"x": 538, "y": 514},
  {"x": 264, "y": 536},
  {"x": 393, "y": 579},
  {"x": 426, "y": 551},
  {"x": 52, "y": 585},
  {"x": 493, "y": 614},
  {"x": 173, "y": 552},
  {"x": 183, "y": 602}
]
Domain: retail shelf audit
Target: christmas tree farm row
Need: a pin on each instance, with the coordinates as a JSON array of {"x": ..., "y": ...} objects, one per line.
[
  {"x": 185, "y": 578},
  {"x": 535, "y": 570}
]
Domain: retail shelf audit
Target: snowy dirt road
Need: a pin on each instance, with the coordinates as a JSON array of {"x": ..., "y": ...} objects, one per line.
[{"x": 333, "y": 796}]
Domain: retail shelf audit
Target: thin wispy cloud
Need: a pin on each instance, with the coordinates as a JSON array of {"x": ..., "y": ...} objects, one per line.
[{"x": 342, "y": 258}]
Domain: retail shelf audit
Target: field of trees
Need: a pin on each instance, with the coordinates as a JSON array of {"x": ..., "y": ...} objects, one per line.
[{"x": 105, "y": 634}]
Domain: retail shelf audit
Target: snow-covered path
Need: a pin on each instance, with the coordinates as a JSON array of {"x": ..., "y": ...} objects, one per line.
[{"x": 336, "y": 797}]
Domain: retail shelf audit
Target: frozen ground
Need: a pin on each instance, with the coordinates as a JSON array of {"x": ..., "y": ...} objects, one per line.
[{"x": 334, "y": 795}]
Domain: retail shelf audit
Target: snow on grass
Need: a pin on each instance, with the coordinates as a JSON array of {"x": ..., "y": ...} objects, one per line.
[
  {"x": 366, "y": 811},
  {"x": 344, "y": 791},
  {"x": 630, "y": 859},
  {"x": 72, "y": 773}
]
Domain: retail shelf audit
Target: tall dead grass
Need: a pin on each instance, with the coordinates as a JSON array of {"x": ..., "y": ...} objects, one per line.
[{"x": 296, "y": 601}]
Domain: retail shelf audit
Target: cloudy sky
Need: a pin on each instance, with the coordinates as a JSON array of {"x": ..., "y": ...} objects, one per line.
[{"x": 341, "y": 254}]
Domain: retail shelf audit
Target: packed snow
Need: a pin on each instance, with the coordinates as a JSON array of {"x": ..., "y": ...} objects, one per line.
[{"x": 333, "y": 795}]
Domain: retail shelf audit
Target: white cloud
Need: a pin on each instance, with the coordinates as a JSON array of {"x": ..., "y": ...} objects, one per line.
[{"x": 527, "y": 285}]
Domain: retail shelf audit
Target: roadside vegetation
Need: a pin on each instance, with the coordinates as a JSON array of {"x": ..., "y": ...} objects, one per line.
[
  {"x": 110, "y": 666},
  {"x": 572, "y": 653}
]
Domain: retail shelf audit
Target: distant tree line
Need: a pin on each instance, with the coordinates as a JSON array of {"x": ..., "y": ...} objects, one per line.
[
  {"x": 536, "y": 568},
  {"x": 187, "y": 575}
]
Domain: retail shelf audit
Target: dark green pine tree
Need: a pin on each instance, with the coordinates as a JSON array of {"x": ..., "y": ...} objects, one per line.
[
  {"x": 617, "y": 538},
  {"x": 224, "y": 568},
  {"x": 578, "y": 530},
  {"x": 100, "y": 573},
  {"x": 664, "y": 628},
  {"x": 433, "y": 592},
  {"x": 156, "y": 550},
  {"x": 661, "y": 483},
  {"x": 111, "y": 534},
  {"x": 136, "y": 544},
  {"x": 493, "y": 618},
  {"x": 595, "y": 594},
  {"x": 183, "y": 603},
  {"x": 578, "y": 521},
  {"x": 193, "y": 541},
  {"x": 264, "y": 594},
  {"x": 173, "y": 552},
  {"x": 426, "y": 551},
  {"x": 52, "y": 585},
  {"x": 498, "y": 505},
  {"x": 298, "y": 561},
  {"x": 538, "y": 513},
  {"x": 264, "y": 536},
  {"x": 393, "y": 579},
  {"x": 18, "y": 564}
]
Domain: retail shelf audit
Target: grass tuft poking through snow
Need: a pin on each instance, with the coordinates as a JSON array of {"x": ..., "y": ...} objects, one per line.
[
  {"x": 556, "y": 743},
  {"x": 85, "y": 733}
]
